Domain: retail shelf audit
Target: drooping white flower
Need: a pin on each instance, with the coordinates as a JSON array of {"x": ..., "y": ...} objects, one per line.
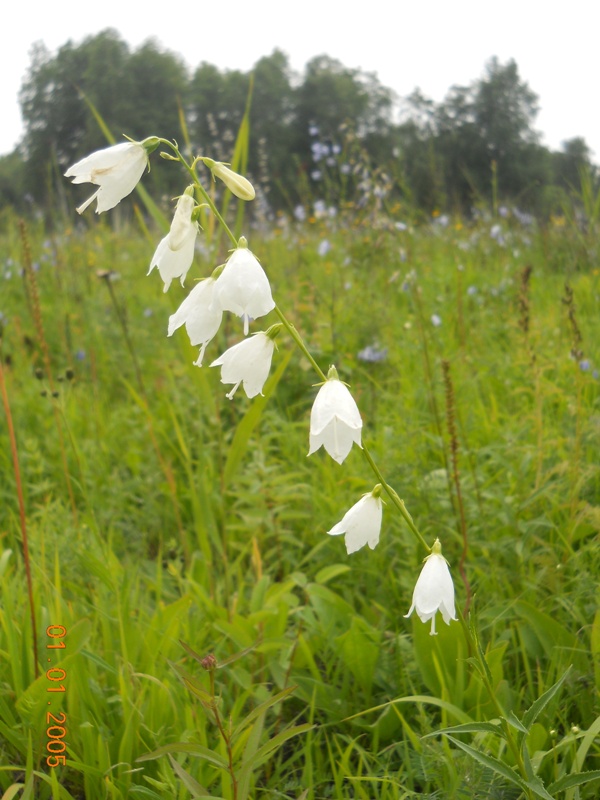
[
  {"x": 201, "y": 319},
  {"x": 362, "y": 522},
  {"x": 243, "y": 286},
  {"x": 434, "y": 590},
  {"x": 237, "y": 184},
  {"x": 335, "y": 421},
  {"x": 175, "y": 253},
  {"x": 248, "y": 362},
  {"x": 115, "y": 170}
]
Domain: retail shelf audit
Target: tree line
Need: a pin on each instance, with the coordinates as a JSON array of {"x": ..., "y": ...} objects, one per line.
[{"x": 333, "y": 131}]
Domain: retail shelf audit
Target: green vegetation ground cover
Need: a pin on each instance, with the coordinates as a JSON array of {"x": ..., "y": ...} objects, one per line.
[{"x": 177, "y": 515}]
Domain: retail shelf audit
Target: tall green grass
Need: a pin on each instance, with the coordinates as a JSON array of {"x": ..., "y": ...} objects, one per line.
[{"x": 201, "y": 520}]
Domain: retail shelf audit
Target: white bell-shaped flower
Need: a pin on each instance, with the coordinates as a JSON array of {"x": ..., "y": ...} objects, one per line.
[
  {"x": 115, "y": 170},
  {"x": 175, "y": 253},
  {"x": 201, "y": 319},
  {"x": 434, "y": 590},
  {"x": 248, "y": 362},
  {"x": 335, "y": 421},
  {"x": 362, "y": 522},
  {"x": 243, "y": 286}
]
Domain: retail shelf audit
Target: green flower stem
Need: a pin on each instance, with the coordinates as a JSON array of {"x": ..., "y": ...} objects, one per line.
[
  {"x": 391, "y": 493},
  {"x": 476, "y": 653},
  {"x": 394, "y": 498},
  {"x": 205, "y": 196},
  {"x": 299, "y": 342}
]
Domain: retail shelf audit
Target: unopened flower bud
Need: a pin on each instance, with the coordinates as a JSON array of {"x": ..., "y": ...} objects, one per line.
[
  {"x": 209, "y": 662},
  {"x": 237, "y": 184}
]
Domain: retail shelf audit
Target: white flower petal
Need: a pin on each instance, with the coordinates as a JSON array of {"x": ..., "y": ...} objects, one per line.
[
  {"x": 434, "y": 591},
  {"x": 361, "y": 524},
  {"x": 175, "y": 252},
  {"x": 247, "y": 362},
  {"x": 201, "y": 319},
  {"x": 335, "y": 421},
  {"x": 116, "y": 170},
  {"x": 243, "y": 287}
]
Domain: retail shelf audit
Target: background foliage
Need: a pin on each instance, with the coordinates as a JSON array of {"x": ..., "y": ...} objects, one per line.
[
  {"x": 316, "y": 129},
  {"x": 176, "y": 515}
]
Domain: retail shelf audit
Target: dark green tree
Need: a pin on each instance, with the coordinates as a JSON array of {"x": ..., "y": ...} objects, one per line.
[
  {"x": 216, "y": 105},
  {"x": 272, "y": 125},
  {"x": 568, "y": 164}
]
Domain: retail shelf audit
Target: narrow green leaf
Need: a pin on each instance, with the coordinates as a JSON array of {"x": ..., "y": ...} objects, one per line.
[
  {"x": 515, "y": 722},
  {"x": 190, "y": 783},
  {"x": 191, "y": 750},
  {"x": 490, "y": 762},
  {"x": 540, "y": 704},
  {"x": 538, "y": 788},
  {"x": 469, "y": 727},
  {"x": 196, "y": 656},
  {"x": 261, "y": 709},
  {"x": 263, "y": 753},
  {"x": 249, "y": 752},
  {"x": 332, "y": 571},
  {"x": 455, "y": 711},
  {"x": 240, "y": 654},
  {"x": 12, "y": 791},
  {"x": 192, "y": 684},
  {"x": 576, "y": 779}
]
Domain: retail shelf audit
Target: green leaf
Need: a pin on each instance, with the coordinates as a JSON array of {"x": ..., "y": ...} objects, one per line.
[
  {"x": 491, "y": 763},
  {"x": 469, "y": 727},
  {"x": 540, "y": 704},
  {"x": 263, "y": 753},
  {"x": 513, "y": 720},
  {"x": 261, "y": 709},
  {"x": 455, "y": 711},
  {"x": 249, "y": 752},
  {"x": 193, "y": 685},
  {"x": 359, "y": 647},
  {"x": 191, "y": 750},
  {"x": 329, "y": 573},
  {"x": 576, "y": 779},
  {"x": 190, "y": 783}
]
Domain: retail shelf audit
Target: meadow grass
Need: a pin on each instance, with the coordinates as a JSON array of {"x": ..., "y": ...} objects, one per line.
[{"x": 159, "y": 512}]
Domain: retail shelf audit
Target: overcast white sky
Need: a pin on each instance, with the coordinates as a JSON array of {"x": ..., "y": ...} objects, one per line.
[{"x": 432, "y": 45}]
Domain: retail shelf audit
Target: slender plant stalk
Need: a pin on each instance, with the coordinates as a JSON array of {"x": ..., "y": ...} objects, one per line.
[
  {"x": 226, "y": 737},
  {"x": 37, "y": 318},
  {"x": 22, "y": 518},
  {"x": 450, "y": 418},
  {"x": 399, "y": 504},
  {"x": 484, "y": 671}
]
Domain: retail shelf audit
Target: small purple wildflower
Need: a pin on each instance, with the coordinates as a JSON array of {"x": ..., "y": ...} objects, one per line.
[{"x": 372, "y": 355}]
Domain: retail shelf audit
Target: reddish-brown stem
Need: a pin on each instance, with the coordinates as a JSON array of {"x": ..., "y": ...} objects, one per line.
[
  {"x": 17, "y": 471},
  {"x": 224, "y": 734},
  {"x": 37, "y": 319}
]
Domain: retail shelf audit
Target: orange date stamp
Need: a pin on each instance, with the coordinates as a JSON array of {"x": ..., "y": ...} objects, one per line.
[{"x": 56, "y": 676}]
